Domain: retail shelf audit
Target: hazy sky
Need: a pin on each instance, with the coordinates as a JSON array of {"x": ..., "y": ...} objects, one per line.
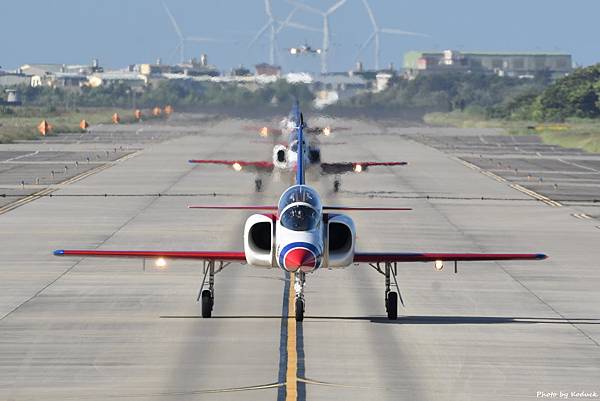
[{"x": 121, "y": 32}]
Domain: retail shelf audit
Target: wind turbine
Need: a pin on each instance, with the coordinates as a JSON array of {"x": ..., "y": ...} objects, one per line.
[
  {"x": 275, "y": 26},
  {"x": 377, "y": 31},
  {"x": 183, "y": 39},
  {"x": 326, "y": 33}
]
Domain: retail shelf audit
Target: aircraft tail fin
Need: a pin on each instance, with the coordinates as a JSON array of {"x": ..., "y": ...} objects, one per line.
[{"x": 300, "y": 165}]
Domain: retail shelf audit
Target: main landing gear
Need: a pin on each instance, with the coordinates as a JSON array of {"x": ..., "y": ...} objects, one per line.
[
  {"x": 206, "y": 294},
  {"x": 390, "y": 271},
  {"x": 337, "y": 183},
  {"x": 300, "y": 280},
  {"x": 258, "y": 184}
]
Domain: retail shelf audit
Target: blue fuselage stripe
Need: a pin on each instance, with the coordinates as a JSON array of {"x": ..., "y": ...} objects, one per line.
[{"x": 292, "y": 245}]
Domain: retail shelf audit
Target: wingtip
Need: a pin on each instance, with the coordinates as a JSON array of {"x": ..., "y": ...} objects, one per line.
[
  {"x": 541, "y": 256},
  {"x": 59, "y": 252}
]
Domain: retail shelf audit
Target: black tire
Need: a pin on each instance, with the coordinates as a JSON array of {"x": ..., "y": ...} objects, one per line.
[
  {"x": 336, "y": 185},
  {"x": 314, "y": 155},
  {"x": 392, "y": 305},
  {"x": 258, "y": 184},
  {"x": 207, "y": 303},
  {"x": 299, "y": 309},
  {"x": 385, "y": 301}
]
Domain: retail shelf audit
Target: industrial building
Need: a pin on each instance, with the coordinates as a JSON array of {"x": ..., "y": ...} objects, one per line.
[
  {"x": 192, "y": 68},
  {"x": 524, "y": 65}
]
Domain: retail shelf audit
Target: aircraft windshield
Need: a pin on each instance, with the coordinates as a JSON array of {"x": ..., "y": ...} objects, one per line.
[{"x": 300, "y": 218}]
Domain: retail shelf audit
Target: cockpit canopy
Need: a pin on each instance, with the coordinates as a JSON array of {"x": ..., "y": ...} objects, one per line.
[
  {"x": 300, "y": 208},
  {"x": 294, "y": 144},
  {"x": 300, "y": 217}
]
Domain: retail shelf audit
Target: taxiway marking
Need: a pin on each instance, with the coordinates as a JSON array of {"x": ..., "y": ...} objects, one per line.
[
  {"x": 581, "y": 216},
  {"x": 518, "y": 187},
  {"x": 48, "y": 191}
]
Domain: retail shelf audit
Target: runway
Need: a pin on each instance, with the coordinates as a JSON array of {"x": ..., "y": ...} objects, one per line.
[{"x": 96, "y": 329}]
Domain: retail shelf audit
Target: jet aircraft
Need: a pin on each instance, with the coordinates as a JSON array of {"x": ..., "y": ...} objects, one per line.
[
  {"x": 304, "y": 49},
  {"x": 285, "y": 156},
  {"x": 301, "y": 237}
]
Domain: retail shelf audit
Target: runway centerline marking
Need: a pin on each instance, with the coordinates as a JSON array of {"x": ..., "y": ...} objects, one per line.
[
  {"x": 291, "y": 378},
  {"x": 291, "y": 348}
]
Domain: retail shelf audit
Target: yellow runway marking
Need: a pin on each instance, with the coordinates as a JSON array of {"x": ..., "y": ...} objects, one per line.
[
  {"x": 582, "y": 216},
  {"x": 48, "y": 191},
  {"x": 518, "y": 187},
  {"x": 27, "y": 199},
  {"x": 291, "y": 392}
]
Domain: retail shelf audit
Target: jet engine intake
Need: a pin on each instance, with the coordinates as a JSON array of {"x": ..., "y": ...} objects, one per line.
[
  {"x": 280, "y": 156},
  {"x": 341, "y": 238},
  {"x": 259, "y": 240}
]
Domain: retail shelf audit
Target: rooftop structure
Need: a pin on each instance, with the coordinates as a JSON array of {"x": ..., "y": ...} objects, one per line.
[{"x": 267, "y": 69}]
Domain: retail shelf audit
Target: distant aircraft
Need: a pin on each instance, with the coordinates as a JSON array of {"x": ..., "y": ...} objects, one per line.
[
  {"x": 304, "y": 49},
  {"x": 300, "y": 238},
  {"x": 285, "y": 156},
  {"x": 287, "y": 124}
]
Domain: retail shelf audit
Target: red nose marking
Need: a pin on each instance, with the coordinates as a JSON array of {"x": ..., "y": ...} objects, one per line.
[{"x": 299, "y": 257}]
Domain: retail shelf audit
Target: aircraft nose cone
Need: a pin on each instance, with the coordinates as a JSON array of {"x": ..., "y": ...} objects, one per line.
[{"x": 300, "y": 258}]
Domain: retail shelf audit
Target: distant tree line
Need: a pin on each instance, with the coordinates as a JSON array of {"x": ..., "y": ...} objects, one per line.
[
  {"x": 576, "y": 95},
  {"x": 474, "y": 92},
  {"x": 181, "y": 94},
  {"x": 541, "y": 99}
]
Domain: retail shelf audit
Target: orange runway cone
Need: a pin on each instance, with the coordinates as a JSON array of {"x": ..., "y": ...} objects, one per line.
[
  {"x": 44, "y": 128},
  {"x": 116, "y": 119},
  {"x": 84, "y": 125}
]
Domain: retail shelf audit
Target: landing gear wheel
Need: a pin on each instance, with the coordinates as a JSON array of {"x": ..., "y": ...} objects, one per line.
[
  {"x": 336, "y": 185},
  {"x": 391, "y": 305},
  {"x": 207, "y": 303},
  {"x": 258, "y": 184},
  {"x": 314, "y": 155},
  {"x": 299, "y": 309}
]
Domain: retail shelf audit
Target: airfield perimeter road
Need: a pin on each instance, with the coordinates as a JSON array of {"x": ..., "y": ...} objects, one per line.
[{"x": 97, "y": 329}]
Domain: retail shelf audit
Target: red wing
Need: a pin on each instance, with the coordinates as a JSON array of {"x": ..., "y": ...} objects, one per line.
[
  {"x": 240, "y": 165},
  {"x": 367, "y": 164},
  {"x": 252, "y": 207},
  {"x": 233, "y": 207},
  {"x": 199, "y": 255},
  {"x": 357, "y": 167},
  {"x": 367, "y": 257},
  {"x": 367, "y": 209}
]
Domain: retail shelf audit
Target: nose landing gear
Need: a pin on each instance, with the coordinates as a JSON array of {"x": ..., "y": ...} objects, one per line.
[{"x": 300, "y": 279}]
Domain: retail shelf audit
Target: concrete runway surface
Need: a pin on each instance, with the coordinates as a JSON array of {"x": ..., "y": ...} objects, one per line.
[{"x": 95, "y": 329}]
